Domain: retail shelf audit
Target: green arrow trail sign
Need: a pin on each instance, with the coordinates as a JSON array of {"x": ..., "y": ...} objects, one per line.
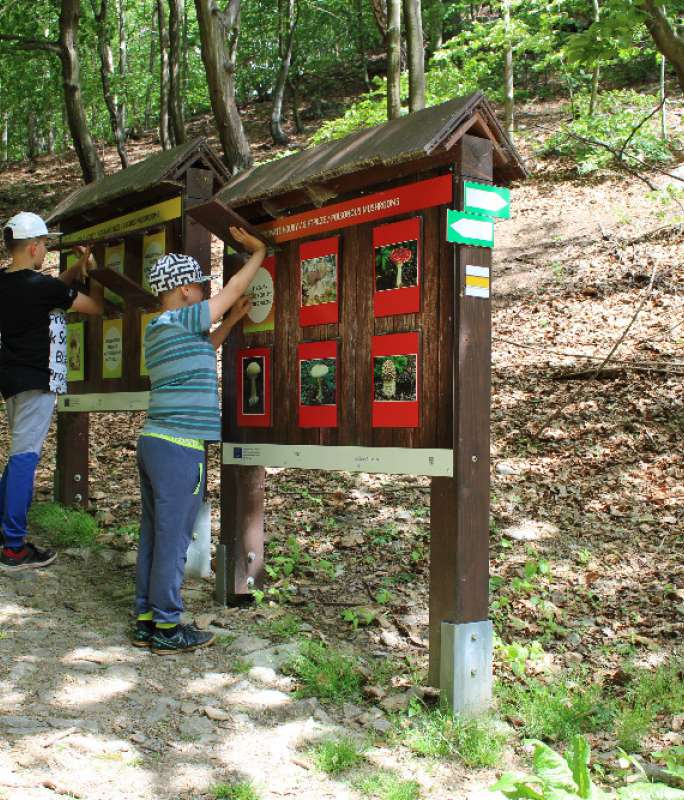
[
  {"x": 481, "y": 198},
  {"x": 468, "y": 229}
]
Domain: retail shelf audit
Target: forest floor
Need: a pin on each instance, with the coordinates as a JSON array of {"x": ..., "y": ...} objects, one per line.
[{"x": 587, "y": 555}]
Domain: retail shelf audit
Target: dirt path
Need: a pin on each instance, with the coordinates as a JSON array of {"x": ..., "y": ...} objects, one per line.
[{"x": 85, "y": 715}]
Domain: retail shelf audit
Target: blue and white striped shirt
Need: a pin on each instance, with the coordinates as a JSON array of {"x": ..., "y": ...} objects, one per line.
[{"x": 182, "y": 365}]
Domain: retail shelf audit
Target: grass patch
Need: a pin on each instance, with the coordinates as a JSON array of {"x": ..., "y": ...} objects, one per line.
[
  {"x": 337, "y": 755},
  {"x": 436, "y": 733},
  {"x": 64, "y": 527},
  {"x": 244, "y": 790},
  {"x": 557, "y": 711},
  {"x": 225, "y": 639},
  {"x": 241, "y": 666},
  {"x": 281, "y": 628},
  {"x": 325, "y": 673},
  {"x": 129, "y": 530},
  {"x": 386, "y": 786},
  {"x": 649, "y": 694}
]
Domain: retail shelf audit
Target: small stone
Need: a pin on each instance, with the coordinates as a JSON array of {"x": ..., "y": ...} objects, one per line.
[
  {"x": 195, "y": 727},
  {"x": 265, "y": 675},
  {"x": 128, "y": 558},
  {"x": 374, "y": 692},
  {"x": 382, "y": 726},
  {"x": 21, "y": 724},
  {"x": 677, "y": 722},
  {"x": 217, "y": 714},
  {"x": 138, "y": 738},
  {"x": 188, "y": 708},
  {"x": 106, "y": 517},
  {"x": 396, "y": 702},
  {"x": 351, "y": 712},
  {"x": 505, "y": 469},
  {"x": 573, "y": 639},
  {"x": 391, "y": 638},
  {"x": 244, "y": 645}
]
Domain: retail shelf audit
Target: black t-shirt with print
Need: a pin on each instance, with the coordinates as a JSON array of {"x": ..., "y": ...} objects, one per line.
[{"x": 33, "y": 332}]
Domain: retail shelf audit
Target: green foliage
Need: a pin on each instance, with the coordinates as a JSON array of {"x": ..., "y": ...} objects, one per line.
[
  {"x": 325, "y": 673},
  {"x": 383, "y": 785},
  {"x": 617, "y": 115},
  {"x": 244, "y": 790},
  {"x": 360, "y": 615},
  {"x": 64, "y": 527},
  {"x": 337, "y": 755},
  {"x": 649, "y": 694},
  {"x": 569, "y": 778},
  {"x": 558, "y": 710},
  {"x": 437, "y": 733}
]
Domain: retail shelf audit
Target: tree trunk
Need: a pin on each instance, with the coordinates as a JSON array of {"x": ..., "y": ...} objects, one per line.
[
  {"x": 361, "y": 39},
  {"x": 597, "y": 68},
  {"x": 509, "y": 100},
  {"x": 416, "y": 54},
  {"x": 287, "y": 24},
  {"x": 91, "y": 166},
  {"x": 106, "y": 71},
  {"x": 434, "y": 24},
  {"x": 219, "y": 33},
  {"x": 380, "y": 16},
  {"x": 153, "y": 52},
  {"x": 164, "y": 79},
  {"x": 5, "y": 136},
  {"x": 666, "y": 38},
  {"x": 175, "y": 101},
  {"x": 294, "y": 91},
  {"x": 50, "y": 138},
  {"x": 393, "y": 40},
  {"x": 663, "y": 112},
  {"x": 123, "y": 64},
  {"x": 32, "y": 139}
]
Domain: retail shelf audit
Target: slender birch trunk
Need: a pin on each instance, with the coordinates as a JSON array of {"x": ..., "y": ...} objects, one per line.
[
  {"x": 393, "y": 40},
  {"x": 413, "y": 18}
]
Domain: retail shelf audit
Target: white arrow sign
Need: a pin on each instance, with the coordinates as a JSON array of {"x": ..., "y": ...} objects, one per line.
[
  {"x": 485, "y": 200},
  {"x": 481, "y": 229}
]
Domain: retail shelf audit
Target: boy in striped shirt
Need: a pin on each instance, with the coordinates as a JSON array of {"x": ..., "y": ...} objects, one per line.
[{"x": 184, "y": 413}]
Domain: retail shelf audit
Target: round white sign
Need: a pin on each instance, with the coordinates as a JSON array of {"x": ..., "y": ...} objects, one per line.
[{"x": 261, "y": 294}]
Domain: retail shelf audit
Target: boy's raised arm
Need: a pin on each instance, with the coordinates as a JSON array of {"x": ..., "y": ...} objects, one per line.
[{"x": 237, "y": 285}]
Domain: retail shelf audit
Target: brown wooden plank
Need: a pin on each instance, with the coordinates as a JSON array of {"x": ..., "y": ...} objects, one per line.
[
  {"x": 71, "y": 478},
  {"x": 476, "y": 158},
  {"x": 362, "y": 329},
  {"x": 426, "y": 435},
  {"x": 459, "y": 523},
  {"x": 131, "y": 292},
  {"x": 218, "y": 218}
]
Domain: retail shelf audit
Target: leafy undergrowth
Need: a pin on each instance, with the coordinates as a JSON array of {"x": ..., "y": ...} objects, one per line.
[{"x": 62, "y": 526}]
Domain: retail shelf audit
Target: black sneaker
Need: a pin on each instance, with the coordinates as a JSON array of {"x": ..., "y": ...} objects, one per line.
[
  {"x": 143, "y": 633},
  {"x": 29, "y": 557},
  {"x": 183, "y": 639}
]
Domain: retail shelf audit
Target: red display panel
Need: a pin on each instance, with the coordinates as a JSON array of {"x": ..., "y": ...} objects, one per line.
[
  {"x": 254, "y": 387},
  {"x": 396, "y": 267},
  {"x": 319, "y": 282},
  {"x": 317, "y": 368},
  {"x": 396, "y": 380}
]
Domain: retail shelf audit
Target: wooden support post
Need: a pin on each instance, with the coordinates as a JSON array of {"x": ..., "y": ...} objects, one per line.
[
  {"x": 71, "y": 474},
  {"x": 242, "y": 529},
  {"x": 459, "y": 550},
  {"x": 240, "y": 566}
]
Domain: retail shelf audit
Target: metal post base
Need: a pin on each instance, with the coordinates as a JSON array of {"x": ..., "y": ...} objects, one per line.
[
  {"x": 221, "y": 589},
  {"x": 466, "y": 666}
]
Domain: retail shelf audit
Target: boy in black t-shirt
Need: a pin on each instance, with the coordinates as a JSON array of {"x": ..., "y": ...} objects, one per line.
[{"x": 33, "y": 370}]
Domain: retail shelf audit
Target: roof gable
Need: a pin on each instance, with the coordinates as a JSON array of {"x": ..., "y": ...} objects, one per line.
[{"x": 163, "y": 167}]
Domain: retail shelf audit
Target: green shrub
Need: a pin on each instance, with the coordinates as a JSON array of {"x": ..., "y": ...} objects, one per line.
[
  {"x": 616, "y": 116},
  {"x": 325, "y": 673},
  {"x": 337, "y": 755},
  {"x": 558, "y": 710},
  {"x": 64, "y": 527}
]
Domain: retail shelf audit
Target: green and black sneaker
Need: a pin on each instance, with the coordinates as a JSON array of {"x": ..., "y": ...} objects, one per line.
[
  {"x": 143, "y": 633},
  {"x": 181, "y": 639}
]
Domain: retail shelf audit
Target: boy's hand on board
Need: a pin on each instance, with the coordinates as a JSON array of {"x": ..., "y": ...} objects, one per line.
[
  {"x": 241, "y": 307},
  {"x": 86, "y": 260},
  {"x": 249, "y": 242}
]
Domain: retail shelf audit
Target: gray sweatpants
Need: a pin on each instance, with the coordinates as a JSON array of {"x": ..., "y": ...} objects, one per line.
[
  {"x": 172, "y": 481},
  {"x": 29, "y": 415}
]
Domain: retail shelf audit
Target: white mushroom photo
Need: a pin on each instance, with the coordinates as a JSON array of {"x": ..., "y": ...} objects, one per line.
[
  {"x": 253, "y": 396},
  {"x": 318, "y": 381}
]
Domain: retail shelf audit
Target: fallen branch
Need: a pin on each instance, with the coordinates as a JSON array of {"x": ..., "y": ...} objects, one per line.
[{"x": 659, "y": 774}]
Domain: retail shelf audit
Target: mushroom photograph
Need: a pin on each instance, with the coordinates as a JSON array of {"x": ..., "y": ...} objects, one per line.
[
  {"x": 319, "y": 280},
  {"x": 396, "y": 266},
  {"x": 394, "y": 378},
  {"x": 318, "y": 382},
  {"x": 253, "y": 385}
]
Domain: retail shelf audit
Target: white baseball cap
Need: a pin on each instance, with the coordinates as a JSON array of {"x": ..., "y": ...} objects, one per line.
[{"x": 26, "y": 225}]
